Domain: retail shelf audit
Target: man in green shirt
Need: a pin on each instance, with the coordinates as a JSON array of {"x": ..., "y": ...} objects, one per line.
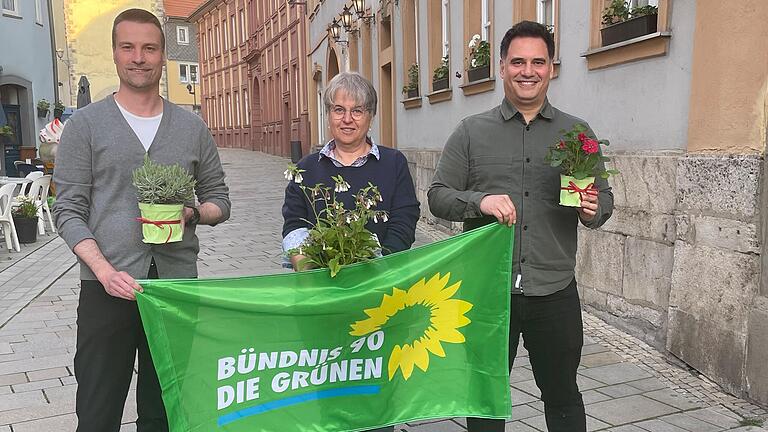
[{"x": 493, "y": 168}]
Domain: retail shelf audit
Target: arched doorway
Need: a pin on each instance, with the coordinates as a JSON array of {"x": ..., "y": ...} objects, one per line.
[
  {"x": 17, "y": 106},
  {"x": 333, "y": 63}
]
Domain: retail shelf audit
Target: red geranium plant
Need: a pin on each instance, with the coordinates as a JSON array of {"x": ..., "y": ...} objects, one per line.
[{"x": 578, "y": 156}]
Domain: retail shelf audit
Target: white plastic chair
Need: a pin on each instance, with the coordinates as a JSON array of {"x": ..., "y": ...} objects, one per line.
[
  {"x": 6, "y": 220},
  {"x": 39, "y": 191},
  {"x": 24, "y": 188}
]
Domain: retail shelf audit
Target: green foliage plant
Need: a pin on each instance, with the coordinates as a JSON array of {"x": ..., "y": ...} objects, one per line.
[
  {"x": 619, "y": 11},
  {"x": 58, "y": 106},
  {"x": 441, "y": 72},
  {"x": 163, "y": 184},
  {"x": 413, "y": 78},
  {"x": 6, "y": 131},
  {"x": 479, "y": 52},
  {"x": 43, "y": 105},
  {"x": 339, "y": 236},
  {"x": 25, "y": 208}
]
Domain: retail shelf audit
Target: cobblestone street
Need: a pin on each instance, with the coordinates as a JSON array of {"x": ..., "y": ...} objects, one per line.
[{"x": 628, "y": 386}]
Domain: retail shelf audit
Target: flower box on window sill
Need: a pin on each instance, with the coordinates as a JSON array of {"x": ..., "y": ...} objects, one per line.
[
  {"x": 629, "y": 29},
  {"x": 413, "y": 93},
  {"x": 440, "y": 84},
  {"x": 479, "y": 73}
]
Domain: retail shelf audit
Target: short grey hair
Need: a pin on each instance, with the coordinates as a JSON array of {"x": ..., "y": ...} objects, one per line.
[{"x": 357, "y": 87}]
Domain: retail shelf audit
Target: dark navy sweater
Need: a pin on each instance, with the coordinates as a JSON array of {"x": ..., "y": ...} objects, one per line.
[{"x": 389, "y": 173}]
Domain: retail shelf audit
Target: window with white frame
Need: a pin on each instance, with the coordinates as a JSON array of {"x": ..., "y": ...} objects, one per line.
[
  {"x": 182, "y": 35},
  {"x": 218, "y": 39},
  {"x": 188, "y": 73},
  {"x": 210, "y": 42},
  {"x": 416, "y": 28},
  {"x": 444, "y": 25},
  {"x": 320, "y": 115},
  {"x": 238, "y": 108},
  {"x": 233, "y": 29},
  {"x": 226, "y": 34},
  {"x": 243, "y": 27},
  {"x": 11, "y": 7},
  {"x": 486, "y": 20},
  {"x": 247, "y": 108},
  {"x": 545, "y": 13},
  {"x": 39, "y": 11}
]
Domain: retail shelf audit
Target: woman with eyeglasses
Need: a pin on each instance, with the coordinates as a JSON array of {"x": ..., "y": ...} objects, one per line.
[{"x": 350, "y": 104}]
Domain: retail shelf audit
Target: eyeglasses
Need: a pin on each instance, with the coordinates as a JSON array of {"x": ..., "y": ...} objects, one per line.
[{"x": 339, "y": 112}]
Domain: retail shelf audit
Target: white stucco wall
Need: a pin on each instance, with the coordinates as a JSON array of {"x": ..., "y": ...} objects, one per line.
[{"x": 637, "y": 106}]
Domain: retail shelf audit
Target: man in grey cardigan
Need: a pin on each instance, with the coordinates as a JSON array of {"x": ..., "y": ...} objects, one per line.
[{"x": 96, "y": 210}]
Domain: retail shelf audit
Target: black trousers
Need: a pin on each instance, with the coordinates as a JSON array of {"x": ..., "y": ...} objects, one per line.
[
  {"x": 553, "y": 335},
  {"x": 109, "y": 332}
]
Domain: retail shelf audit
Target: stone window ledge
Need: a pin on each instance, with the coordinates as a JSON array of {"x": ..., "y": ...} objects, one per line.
[
  {"x": 440, "y": 96},
  {"x": 647, "y": 46},
  {"x": 476, "y": 87},
  {"x": 410, "y": 103}
]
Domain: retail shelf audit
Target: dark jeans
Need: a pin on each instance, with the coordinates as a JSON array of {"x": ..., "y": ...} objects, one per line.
[
  {"x": 553, "y": 335},
  {"x": 109, "y": 332}
]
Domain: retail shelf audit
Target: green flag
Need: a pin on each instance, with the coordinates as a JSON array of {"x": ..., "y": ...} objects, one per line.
[{"x": 414, "y": 335}]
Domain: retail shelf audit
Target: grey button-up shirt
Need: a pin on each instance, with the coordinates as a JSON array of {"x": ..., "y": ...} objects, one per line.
[{"x": 496, "y": 152}]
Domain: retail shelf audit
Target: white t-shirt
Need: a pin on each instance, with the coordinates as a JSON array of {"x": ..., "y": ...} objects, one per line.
[{"x": 144, "y": 127}]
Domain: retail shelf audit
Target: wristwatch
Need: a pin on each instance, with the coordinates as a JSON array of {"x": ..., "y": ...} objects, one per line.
[{"x": 195, "y": 216}]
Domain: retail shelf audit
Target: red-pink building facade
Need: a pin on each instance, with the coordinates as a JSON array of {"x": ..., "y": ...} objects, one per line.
[{"x": 253, "y": 74}]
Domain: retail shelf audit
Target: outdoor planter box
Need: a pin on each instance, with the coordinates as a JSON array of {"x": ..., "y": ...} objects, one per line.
[
  {"x": 440, "y": 84},
  {"x": 42, "y": 113},
  {"x": 57, "y": 113},
  {"x": 412, "y": 93},
  {"x": 629, "y": 29},
  {"x": 480, "y": 73},
  {"x": 26, "y": 229}
]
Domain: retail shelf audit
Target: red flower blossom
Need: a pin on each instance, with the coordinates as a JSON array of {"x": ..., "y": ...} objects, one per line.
[
  {"x": 590, "y": 146},
  {"x": 561, "y": 145},
  {"x": 583, "y": 137}
]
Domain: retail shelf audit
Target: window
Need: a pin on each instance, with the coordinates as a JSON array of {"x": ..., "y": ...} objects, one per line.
[
  {"x": 545, "y": 13},
  {"x": 226, "y": 34},
  {"x": 39, "y": 11},
  {"x": 183, "y": 73},
  {"x": 247, "y": 108},
  {"x": 229, "y": 110},
  {"x": 182, "y": 35},
  {"x": 218, "y": 39},
  {"x": 608, "y": 49},
  {"x": 485, "y": 20},
  {"x": 233, "y": 29},
  {"x": 210, "y": 42},
  {"x": 238, "y": 108},
  {"x": 11, "y": 7},
  {"x": 444, "y": 25},
  {"x": 243, "y": 27},
  {"x": 188, "y": 73}
]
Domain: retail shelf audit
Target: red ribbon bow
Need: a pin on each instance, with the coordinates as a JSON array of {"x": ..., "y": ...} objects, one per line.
[
  {"x": 572, "y": 188},
  {"x": 160, "y": 224}
]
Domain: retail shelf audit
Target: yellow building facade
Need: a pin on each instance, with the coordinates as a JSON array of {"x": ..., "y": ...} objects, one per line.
[{"x": 89, "y": 39}]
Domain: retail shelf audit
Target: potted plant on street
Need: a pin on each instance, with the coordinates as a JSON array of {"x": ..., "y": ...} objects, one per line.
[
  {"x": 440, "y": 75},
  {"x": 578, "y": 156},
  {"x": 58, "y": 109},
  {"x": 411, "y": 90},
  {"x": 43, "y": 106},
  {"x": 162, "y": 191},
  {"x": 24, "y": 213},
  {"x": 339, "y": 236},
  {"x": 621, "y": 23},
  {"x": 479, "y": 59}
]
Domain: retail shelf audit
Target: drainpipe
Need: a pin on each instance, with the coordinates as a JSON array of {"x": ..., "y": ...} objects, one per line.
[{"x": 54, "y": 58}]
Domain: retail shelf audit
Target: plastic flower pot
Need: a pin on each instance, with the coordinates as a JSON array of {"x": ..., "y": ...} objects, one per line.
[
  {"x": 440, "y": 84},
  {"x": 571, "y": 189},
  {"x": 161, "y": 223},
  {"x": 26, "y": 229},
  {"x": 629, "y": 29},
  {"x": 479, "y": 73}
]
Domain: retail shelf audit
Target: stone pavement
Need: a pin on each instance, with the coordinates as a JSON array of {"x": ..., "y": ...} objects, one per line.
[{"x": 628, "y": 386}]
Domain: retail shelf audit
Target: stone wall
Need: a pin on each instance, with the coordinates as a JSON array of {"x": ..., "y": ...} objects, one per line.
[{"x": 679, "y": 263}]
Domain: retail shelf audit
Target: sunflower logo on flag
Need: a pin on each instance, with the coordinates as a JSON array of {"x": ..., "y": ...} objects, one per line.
[{"x": 445, "y": 316}]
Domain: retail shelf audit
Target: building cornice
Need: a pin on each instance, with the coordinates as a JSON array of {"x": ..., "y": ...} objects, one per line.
[{"x": 202, "y": 10}]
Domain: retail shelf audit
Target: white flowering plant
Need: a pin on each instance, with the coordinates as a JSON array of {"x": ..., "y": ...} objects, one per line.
[
  {"x": 339, "y": 236},
  {"x": 479, "y": 52}
]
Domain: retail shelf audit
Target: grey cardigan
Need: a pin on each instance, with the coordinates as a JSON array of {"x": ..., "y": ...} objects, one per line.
[{"x": 96, "y": 198}]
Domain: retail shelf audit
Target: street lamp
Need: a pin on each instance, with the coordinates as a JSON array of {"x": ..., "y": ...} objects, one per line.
[
  {"x": 346, "y": 18},
  {"x": 359, "y": 7},
  {"x": 191, "y": 90},
  {"x": 335, "y": 29}
]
